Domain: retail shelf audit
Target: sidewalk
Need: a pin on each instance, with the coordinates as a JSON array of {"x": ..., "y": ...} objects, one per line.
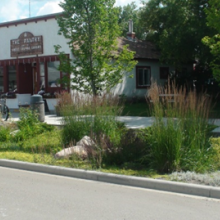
[
  {"x": 133, "y": 122},
  {"x": 130, "y": 122}
]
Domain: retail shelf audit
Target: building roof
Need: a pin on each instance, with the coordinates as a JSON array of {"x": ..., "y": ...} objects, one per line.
[
  {"x": 28, "y": 20},
  {"x": 142, "y": 49}
]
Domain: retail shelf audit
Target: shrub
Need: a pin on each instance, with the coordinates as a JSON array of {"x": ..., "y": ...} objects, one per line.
[
  {"x": 95, "y": 117},
  {"x": 29, "y": 126},
  {"x": 41, "y": 143},
  {"x": 76, "y": 127},
  {"x": 179, "y": 137},
  {"x": 9, "y": 146},
  {"x": 130, "y": 149},
  {"x": 89, "y": 115},
  {"x": 4, "y": 134},
  {"x": 27, "y": 118},
  {"x": 215, "y": 143}
]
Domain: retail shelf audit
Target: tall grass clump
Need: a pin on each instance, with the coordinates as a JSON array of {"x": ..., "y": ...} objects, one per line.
[
  {"x": 94, "y": 116},
  {"x": 64, "y": 100},
  {"x": 29, "y": 126},
  {"x": 179, "y": 136}
]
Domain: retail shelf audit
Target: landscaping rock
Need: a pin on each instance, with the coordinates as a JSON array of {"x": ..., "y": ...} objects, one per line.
[
  {"x": 67, "y": 152},
  {"x": 13, "y": 133},
  {"x": 86, "y": 142},
  {"x": 83, "y": 148}
]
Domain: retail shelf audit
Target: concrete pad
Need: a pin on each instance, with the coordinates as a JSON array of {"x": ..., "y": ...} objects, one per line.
[{"x": 133, "y": 122}]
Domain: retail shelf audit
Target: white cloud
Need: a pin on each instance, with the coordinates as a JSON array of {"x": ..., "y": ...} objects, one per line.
[
  {"x": 18, "y": 9},
  {"x": 11, "y": 10},
  {"x": 49, "y": 8}
]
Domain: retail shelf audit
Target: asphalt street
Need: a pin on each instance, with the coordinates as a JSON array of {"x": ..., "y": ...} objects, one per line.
[{"x": 26, "y": 195}]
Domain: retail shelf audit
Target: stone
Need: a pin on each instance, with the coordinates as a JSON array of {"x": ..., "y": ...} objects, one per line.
[
  {"x": 83, "y": 148},
  {"x": 13, "y": 133},
  {"x": 86, "y": 142},
  {"x": 67, "y": 152}
]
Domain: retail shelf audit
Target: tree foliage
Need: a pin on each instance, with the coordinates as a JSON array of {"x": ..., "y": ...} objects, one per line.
[
  {"x": 126, "y": 13},
  {"x": 177, "y": 27},
  {"x": 91, "y": 28},
  {"x": 213, "y": 21}
]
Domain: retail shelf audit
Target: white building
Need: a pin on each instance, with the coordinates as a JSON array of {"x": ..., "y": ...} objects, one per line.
[{"x": 28, "y": 61}]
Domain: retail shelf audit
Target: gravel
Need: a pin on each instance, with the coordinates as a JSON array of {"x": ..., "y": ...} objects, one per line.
[{"x": 211, "y": 179}]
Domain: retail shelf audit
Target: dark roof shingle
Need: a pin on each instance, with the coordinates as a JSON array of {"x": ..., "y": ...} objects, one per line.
[{"x": 142, "y": 49}]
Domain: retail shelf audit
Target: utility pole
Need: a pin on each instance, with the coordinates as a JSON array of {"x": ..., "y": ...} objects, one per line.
[{"x": 29, "y": 8}]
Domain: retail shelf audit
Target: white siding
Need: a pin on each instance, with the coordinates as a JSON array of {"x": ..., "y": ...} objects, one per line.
[
  {"x": 48, "y": 29},
  {"x": 128, "y": 86}
]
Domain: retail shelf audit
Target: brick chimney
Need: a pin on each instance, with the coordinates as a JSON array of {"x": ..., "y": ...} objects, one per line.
[{"x": 130, "y": 33}]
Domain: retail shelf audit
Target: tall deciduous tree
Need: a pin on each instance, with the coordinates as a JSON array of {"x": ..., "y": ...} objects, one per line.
[
  {"x": 213, "y": 21},
  {"x": 177, "y": 28},
  {"x": 91, "y": 27}
]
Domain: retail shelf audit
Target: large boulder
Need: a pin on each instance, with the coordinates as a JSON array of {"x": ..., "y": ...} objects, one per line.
[
  {"x": 83, "y": 148},
  {"x": 67, "y": 152},
  {"x": 86, "y": 142}
]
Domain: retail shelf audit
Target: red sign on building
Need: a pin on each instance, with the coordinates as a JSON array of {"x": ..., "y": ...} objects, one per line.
[{"x": 26, "y": 44}]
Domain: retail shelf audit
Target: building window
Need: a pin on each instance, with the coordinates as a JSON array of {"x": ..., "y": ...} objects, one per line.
[
  {"x": 12, "y": 79},
  {"x": 42, "y": 76},
  {"x": 55, "y": 78},
  {"x": 54, "y": 75},
  {"x": 143, "y": 76},
  {"x": 164, "y": 72}
]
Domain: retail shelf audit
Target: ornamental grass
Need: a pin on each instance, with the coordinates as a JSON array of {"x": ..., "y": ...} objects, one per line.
[{"x": 179, "y": 137}]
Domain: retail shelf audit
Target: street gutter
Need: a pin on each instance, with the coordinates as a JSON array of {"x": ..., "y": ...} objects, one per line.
[{"x": 155, "y": 184}]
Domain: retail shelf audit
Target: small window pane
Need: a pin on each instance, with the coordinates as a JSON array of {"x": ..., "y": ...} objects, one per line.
[
  {"x": 53, "y": 74},
  {"x": 140, "y": 77},
  {"x": 143, "y": 77},
  {"x": 42, "y": 72},
  {"x": 42, "y": 76},
  {"x": 12, "y": 79}
]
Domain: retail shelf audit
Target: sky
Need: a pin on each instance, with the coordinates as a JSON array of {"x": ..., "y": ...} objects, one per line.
[{"x": 11, "y": 10}]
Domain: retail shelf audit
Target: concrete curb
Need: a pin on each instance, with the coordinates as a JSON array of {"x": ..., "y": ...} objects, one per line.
[{"x": 184, "y": 188}]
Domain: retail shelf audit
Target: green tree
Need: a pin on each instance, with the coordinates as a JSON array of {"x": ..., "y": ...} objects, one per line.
[
  {"x": 213, "y": 21},
  {"x": 177, "y": 27},
  {"x": 91, "y": 28},
  {"x": 126, "y": 13}
]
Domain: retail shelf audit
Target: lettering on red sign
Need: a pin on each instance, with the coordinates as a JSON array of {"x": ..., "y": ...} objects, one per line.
[{"x": 26, "y": 44}]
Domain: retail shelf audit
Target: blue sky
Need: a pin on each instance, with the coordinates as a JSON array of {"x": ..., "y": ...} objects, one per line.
[{"x": 18, "y": 9}]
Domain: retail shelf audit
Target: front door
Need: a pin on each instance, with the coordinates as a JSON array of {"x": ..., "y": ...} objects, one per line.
[{"x": 25, "y": 81}]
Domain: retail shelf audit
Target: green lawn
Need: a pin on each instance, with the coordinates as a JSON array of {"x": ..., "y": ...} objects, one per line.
[
  {"x": 136, "y": 109},
  {"x": 48, "y": 159},
  {"x": 143, "y": 109},
  {"x": 215, "y": 110}
]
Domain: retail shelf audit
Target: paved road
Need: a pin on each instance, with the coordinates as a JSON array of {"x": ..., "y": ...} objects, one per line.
[{"x": 34, "y": 196}]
